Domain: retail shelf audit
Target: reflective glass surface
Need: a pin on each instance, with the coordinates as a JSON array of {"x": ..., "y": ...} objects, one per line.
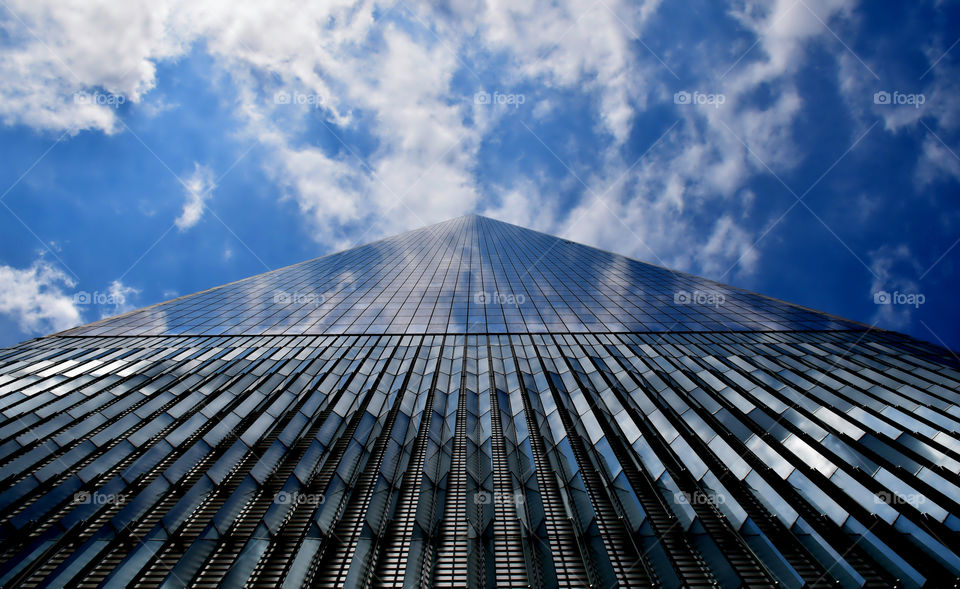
[
  {"x": 607, "y": 444},
  {"x": 629, "y": 431},
  {"x": 467, "y": 275}
]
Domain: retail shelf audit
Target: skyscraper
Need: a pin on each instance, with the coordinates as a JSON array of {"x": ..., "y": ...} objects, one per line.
[{"x": 474, "y": 404}]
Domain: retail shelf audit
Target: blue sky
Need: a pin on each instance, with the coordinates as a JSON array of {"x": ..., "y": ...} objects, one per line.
[{"x": 804, "y": 149}]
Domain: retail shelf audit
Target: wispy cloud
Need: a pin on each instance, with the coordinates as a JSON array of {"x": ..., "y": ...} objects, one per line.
[
  {"x": 199, "y": 188},
  {"x": 35, "y": 298},
  {"x": 64, "y": 68},
  {"x": 120, "y": 299},
  {"x": 895, "y": 290},
  {"x": 414, "y": 73}
]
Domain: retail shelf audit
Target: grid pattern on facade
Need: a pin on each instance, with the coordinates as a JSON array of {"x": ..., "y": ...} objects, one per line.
[
  {"x": 522, "y": 460},
  {"x": 467, "y": 275}
]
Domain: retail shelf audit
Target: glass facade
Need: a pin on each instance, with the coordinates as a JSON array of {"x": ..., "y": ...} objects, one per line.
[
  {"x": 390, "y": 417},
  {"x": 468, "y": 275}
]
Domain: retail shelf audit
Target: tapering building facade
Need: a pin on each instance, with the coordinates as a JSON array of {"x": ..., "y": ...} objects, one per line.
[{"x": 474, "y": 404}]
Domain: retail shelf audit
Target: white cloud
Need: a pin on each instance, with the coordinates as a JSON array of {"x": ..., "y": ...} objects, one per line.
[
  {"x": 663, "y": 209},
  {"x": 119, "y": 299},
  {"x": 783, "y": 27},
  {"x": 930, "y": 106},
  {"x": 892, "y": 269},
  {"x": 936, "y": 162},
  {"x": 570, "y": 44},
  {"x": 653, "y": 226},
  {"x": 740, "y": 138},
  {"x": 942, "y": 112},
  {"x": 352, "y": 60},
  {"x": 422, "y": 169},
  {"x": 56, "y": 50},
  {"x": 199, "y": 188},
  {"x": 712, "y": 152},
  {"x": 548, "y": 38},
  {"x": 728, "y": 241},
  {"x": 525, "y": 205},
  {"x": 155, "y": 107},
  {"x": 34, "y": 298}
]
